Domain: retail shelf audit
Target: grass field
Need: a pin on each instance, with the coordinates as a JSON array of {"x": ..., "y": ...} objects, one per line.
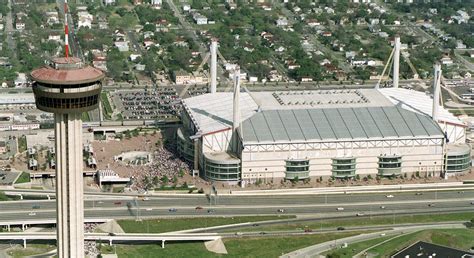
[
  {"x": 85, "y": 117},
  {"x": 242, "y": 247},
  {"x": 457, "y": 238},
  {"x": 365, "y": 221},
  {"x": 23, "y": 178},
  {"x": 106, "y": 105},
  {"x": 3, "y": 197},
  {"x": 167, "y": 225},
  {"x": 32, "y": 249},
  {"x": 22, "y": 144},
  {"x": 356, "y": 248}
]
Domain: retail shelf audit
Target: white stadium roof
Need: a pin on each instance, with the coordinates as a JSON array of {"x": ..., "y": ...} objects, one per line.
[
  {"x": 418, "y": 102},
  {"x": 213, "y": 112}
]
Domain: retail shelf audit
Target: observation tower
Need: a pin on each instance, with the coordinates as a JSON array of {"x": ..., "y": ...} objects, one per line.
[{"x": 67, "y": 88}]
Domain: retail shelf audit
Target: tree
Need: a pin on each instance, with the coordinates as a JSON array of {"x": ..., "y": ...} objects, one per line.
[
  {"x": 116, "y": 63},
  {"x": 165, "y": 179},
  {"x": 156, "y": 180},
  {"x": 7, "y": 74}
]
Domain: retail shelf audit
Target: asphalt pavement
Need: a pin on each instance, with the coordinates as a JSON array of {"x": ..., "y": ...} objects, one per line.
[{"x": 310, "y": 205}]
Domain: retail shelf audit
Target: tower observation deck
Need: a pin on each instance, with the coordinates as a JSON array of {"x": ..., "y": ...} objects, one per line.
[{"x": 67, "y": 88}]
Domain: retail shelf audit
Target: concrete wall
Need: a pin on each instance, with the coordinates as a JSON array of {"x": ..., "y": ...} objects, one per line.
[{"x": 269, "y": 161}]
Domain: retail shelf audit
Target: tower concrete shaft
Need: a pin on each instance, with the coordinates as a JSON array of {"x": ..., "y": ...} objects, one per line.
[
  {"x": 69, "y": 185},
  {"x": 396, "y": 62},
  {"x": 213, "y": 66}
]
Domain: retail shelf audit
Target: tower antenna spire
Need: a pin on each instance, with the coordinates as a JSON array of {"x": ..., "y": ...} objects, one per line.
[{"x": 66, "y": 29}]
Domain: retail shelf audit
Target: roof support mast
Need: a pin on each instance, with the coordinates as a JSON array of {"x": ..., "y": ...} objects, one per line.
[
  {"x": 66, "y": 30},
  {"x": 436, "y": 90},
  {"x": 396, "y": 61}
]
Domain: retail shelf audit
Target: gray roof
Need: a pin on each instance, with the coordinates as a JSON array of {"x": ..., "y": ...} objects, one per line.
[{"x": 302, "y": 125}]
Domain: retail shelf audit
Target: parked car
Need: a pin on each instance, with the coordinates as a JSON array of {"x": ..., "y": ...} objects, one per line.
[
  {"x": 340, "y": 209},
  {"x": 389, "y": 196},
  {"x": 198, "y": 208},
  {"x": 172, "y": 210},
  {"x": 308, "y": 230},
  {"x": 341, "y": 228},
  {"x": 36, "y": 206},
  {"x": 117, "y": 203},
  {"x": 281, "y": 210}
]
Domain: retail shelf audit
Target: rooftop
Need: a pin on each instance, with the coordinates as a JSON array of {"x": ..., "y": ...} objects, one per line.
[
  {"x": 417, "y": 102},
  {"x": 320, "y": 99},
  {"x": 67, "y": 71},
  {"x": 302, "y": 125},
  {"x": 346, "y": 114}
]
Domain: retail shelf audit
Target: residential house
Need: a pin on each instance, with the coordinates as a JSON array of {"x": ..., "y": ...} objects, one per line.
[
  {"x": 100, "y": 62},
  {"x": 313, "y": 22},
  {"x": 282, "y": 21},
  {"x": 446, "y": 60},
  {"x": 19, "y": 24},
  {"x": 140, "y": 67},
  {"x": 134, "y": 57},
  {"x": 182, "y": 77},
  {"x": 52, "y": 17},
  {"x": 84, "y": 19},
  {"x": 54, "y": 37},
  {"x": 122, "y": 46},
  {"x": 156, "y": 4},
  {"x": 199, "y": 19}
]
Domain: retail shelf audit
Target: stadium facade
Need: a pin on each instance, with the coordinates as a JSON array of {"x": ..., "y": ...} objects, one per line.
[{"x": 321, "y": 133}]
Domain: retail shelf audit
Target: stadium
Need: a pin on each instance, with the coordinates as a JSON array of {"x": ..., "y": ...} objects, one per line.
[{"x": 341, "y": 133}]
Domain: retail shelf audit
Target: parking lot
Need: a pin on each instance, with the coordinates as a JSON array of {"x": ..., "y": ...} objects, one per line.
[{"x": 147, "y": 104}]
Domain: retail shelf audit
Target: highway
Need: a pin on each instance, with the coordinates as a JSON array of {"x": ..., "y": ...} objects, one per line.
[{"x": 314, "y": 205}]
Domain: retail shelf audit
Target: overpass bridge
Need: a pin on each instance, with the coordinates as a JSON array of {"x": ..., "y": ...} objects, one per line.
[{"x": 119, "y": 237}]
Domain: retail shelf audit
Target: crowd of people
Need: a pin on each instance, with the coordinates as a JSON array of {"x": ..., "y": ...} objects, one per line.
[
  {"x": 149, "y": 104},
  {"x": 90, "y": 247},
  {"x": 165, "y": 163}
]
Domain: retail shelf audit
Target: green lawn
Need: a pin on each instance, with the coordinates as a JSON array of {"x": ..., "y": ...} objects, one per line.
[
  {"x": 106, "y": 105},
  {"x": 23, "y": 178},
  {"x": 356, "y": 248},
  {"x": 118, "y": 189},
  {"x": 366, "y": 221},
  {"x": 240, "y": 247},
  {"x": 85, "y": 117},
  {"x": 22, "y": 144},
  {"x": 32, "y": 249},
  {"x": 166, "y": 225},
  {"x": 3, "y": 197},
  {"x": 456, "y": 238}
]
